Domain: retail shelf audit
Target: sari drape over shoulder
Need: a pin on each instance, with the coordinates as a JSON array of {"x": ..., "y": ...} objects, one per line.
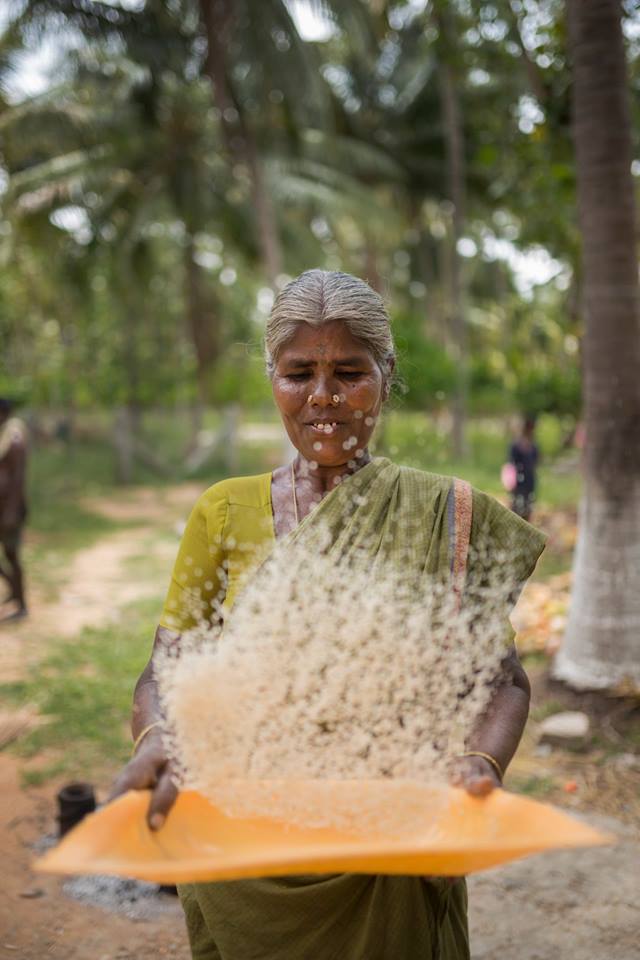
[{"x": 391, "y": 515}]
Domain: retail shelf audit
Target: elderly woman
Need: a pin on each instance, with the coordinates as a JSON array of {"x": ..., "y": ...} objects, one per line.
[{"x": 330, "y": 357}]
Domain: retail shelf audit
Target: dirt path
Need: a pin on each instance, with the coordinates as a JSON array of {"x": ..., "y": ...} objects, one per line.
[
  {"x": 578, "y": 906},
  {"x": 99, "y": 580},
  {"x": 37, "y": 919}
]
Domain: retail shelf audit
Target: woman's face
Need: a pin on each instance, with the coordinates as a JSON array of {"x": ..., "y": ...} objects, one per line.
[{"x": 317, "y": 365}]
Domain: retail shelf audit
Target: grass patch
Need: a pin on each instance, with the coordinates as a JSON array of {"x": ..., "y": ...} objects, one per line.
[
  {"x": 546, "y": 709},
  {"x": 59, "y": 478},
  {"x": 559, "y": 489},
  {"x": 553, "y": 562},
  {"x": 84, "y": 687},
  {"x": 532, "y": 786},
  {"x": 416, "y": 440},
  {"x": 36, "y": 778},
  {"x": 536, "y": 658}
]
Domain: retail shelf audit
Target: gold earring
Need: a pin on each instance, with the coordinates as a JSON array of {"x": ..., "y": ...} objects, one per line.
[
  {"x": 310, "y": 398},
  {"x": 335, "y": 399}
]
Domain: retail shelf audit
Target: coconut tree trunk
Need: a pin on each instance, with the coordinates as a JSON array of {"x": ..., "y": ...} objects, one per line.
[
  {"x": 371, "y": 269},
  {"x": 202, "y": 322},
  {"x": 456, "y": 190},
  {"x": 127, "y": 416},
  {"x": 265, "y": 214},
  {"x": 425, "y": 267},
  {"x": 602, "y": 643},
  {"x": 217, "y": 19}
]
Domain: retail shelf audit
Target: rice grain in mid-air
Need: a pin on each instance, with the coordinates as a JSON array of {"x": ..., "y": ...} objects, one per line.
[{"x": 331, "y": 670}]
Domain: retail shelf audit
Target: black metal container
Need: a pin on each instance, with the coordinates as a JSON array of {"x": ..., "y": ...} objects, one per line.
[{"x": 75, "y": 801}]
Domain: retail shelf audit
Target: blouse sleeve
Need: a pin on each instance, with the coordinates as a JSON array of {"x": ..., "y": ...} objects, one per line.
[
  {"x": 198, "y": 581},
  {"x": 504, "y": 550}
]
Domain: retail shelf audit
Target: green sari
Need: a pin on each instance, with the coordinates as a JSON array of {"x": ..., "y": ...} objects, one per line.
[{"x": 397, "y": 515}]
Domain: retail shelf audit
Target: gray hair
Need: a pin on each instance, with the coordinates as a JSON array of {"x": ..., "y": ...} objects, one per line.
[{"x": 317, "y": 297}]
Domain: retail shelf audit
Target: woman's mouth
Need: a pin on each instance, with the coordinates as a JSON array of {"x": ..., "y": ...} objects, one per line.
[{"x": 324, "y": 427}]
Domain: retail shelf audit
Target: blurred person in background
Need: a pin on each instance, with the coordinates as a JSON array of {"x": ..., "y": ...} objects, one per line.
[
  {"x": 13, "y": 508},
  {"x": 523, "y": 454}
]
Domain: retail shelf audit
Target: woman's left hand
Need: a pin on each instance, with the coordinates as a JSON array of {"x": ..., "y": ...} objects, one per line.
[{"x": 475, "y": 775}]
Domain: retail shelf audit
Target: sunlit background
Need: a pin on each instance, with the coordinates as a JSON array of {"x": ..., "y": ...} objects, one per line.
[{"x": 166, "y": 166}]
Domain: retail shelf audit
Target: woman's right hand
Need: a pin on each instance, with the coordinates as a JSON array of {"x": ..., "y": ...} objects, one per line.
[{"x": 150, "y": 768}]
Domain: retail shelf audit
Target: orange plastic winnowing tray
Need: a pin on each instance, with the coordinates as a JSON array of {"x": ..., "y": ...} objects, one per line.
[{"x": 198, "y": 842}]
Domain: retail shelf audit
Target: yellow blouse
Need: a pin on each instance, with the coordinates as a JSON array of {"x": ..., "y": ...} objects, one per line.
[{"x": 230, "y": 530}]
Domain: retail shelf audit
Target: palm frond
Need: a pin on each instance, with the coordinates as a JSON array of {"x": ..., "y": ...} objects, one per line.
[
  {"x": 355, "y": 156},
  {"x": 320, "y": 185},
  {"x": 34, "y": 187}
]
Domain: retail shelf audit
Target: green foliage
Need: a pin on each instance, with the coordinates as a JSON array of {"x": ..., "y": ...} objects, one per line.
[
  {"x": 241, "y": 379},
  {"x": 549, "y": 390},
  {"x": 426, "y": 372},
  {"x": 139, "y": 210}
]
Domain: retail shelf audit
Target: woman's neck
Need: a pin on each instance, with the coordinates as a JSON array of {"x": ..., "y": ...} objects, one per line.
[{"x": 322, "y": 479}]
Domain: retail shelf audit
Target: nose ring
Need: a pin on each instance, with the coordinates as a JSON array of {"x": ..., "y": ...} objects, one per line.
[{"x": 335, "y": 399}]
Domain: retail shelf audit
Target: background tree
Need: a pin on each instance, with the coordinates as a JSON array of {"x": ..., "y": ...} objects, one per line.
[
  {"x": 452, "y": 124},
  {"x": 601, "y": 647}
]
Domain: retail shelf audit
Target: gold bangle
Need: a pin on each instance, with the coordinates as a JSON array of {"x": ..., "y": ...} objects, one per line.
[
  {"x": 486, "y": 756},
  {"x": 142, "y": 735}
]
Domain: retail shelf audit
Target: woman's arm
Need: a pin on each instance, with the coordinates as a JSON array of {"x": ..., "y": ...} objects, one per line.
[
  {"x": 194, "y": 593},
  {"x": 150, "y": 767},
  {"x": 498, "y": 731},
  {"x": 146, "y": 702}
]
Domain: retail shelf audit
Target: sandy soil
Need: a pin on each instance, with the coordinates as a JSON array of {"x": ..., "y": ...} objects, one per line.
[
  {"x": 578, "y": 905},
  {"x": 101, "y": 572}
]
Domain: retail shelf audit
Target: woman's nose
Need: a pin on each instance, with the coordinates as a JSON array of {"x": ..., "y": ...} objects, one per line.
[{"x": 323, "y": 390}]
